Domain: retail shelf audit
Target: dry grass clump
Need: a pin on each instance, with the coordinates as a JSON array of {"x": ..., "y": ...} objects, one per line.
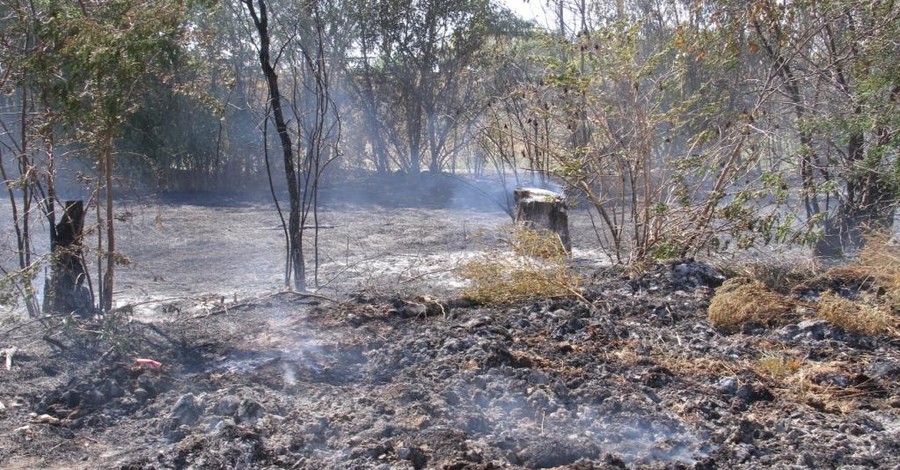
[
  {"x": 858, "y": 317},
  {"x": 742, "y": 301},
  {"x": 881, "y": 260},
  {"x": 779, "y": 275},
  {"x": 535, "y": 269},
  {"x": 536, "y": 243},
  {"x": 497, "y": 280},
  {"x": 826, "y": 386},
  {"x": 776, "y": 367},
  {"x": 873, "y": 283}
]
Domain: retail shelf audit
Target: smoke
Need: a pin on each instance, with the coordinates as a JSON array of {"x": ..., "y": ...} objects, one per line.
[{"x": 526, "y": 411}]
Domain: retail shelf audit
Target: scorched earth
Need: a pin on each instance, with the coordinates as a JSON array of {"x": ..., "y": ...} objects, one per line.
[{"x": 386, "y": 366}]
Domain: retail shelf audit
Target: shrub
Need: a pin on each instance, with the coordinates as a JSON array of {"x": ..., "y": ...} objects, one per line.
[{"x": 742, "y": 301}]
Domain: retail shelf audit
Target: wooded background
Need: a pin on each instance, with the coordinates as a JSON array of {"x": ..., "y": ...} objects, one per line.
[{"x": 682, "y": 125}]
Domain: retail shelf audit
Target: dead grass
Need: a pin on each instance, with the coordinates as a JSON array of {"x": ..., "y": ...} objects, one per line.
[
  {"x": 536, "y": 244},
  {"x": 536, "y": 268},
  {"x": 858, "y": 316},
  {"x": 874, "y": 283},
  {"x": 742, "y": 301},
  {"x": 779, "y": 275},
  {"x": 881, "y": 260},
  {"x": 817, "y": 384},
  {"x": 776, "y": 367},
  {"x": 498, "y": 280},
  {"x": 686, "y": 365}
]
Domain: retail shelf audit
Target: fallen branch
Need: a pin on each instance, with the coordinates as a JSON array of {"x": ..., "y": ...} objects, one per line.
[
  {"x": 305, "y": 227},
  {"x": 138, "y": 304},
  {"x": 225, "y": 309},
  {"x": 24, "y": 324}
]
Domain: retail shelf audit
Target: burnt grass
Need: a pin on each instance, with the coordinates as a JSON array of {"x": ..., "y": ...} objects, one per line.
[
  {"x": 630, "y": 375},
  {"x": 635, "y": 378}
]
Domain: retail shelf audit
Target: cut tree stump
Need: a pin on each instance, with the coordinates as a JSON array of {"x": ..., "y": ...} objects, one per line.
[
  {"x": 543, "y": 210},
  {"x": 65, "y": 291}
]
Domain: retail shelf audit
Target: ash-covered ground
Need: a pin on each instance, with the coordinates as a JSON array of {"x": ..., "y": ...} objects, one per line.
[{"x": 387, "y": 368}]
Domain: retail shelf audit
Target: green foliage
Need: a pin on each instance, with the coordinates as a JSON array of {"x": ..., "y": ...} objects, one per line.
[
  {"x": 102, "y": 57},
  {"x": 8, "y": 292},
  {"x": 170, "y": 131}
]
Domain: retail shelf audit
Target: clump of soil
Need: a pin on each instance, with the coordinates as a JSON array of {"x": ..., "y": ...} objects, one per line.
[{"x": 632, "y": 375}]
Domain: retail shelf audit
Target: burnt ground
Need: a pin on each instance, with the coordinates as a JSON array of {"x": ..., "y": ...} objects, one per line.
[{"x": 384, "y": 369}]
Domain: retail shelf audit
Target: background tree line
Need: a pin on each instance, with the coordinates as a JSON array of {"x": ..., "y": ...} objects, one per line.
[{"x": 682, "y": 125}]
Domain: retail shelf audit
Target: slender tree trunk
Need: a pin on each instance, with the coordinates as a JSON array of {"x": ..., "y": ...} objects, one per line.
[
  {"x": 791, "y": 87},
  {"x": 370, "y": 108},
  {"x": 296, "y": 261},
  {"x": 414, "y": 131},
  {"x": 108, "y": 280}
]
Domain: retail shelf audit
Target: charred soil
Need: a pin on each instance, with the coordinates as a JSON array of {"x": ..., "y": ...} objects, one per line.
[{"x": 630, "y": 375}]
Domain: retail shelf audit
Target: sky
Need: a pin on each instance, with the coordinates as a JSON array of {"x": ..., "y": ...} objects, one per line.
[{"x": 530, "y": 10}]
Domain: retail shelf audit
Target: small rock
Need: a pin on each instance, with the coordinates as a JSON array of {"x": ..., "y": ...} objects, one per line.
[
  {"x": 538, "y": 378},
  {"x": 148, "y": 385},
  {"x": 140, "y": 394},
  {"x": 805, "y": 460},
  {"x": 94, "y": 397},
  {"x": 559, "y": 313},
  {"x": 213, "y": 424},
  {"x": 831, "y": 378},
  {"x": 560, "y": 389},
  {"x": 754, "y": 393},
  {"x": 249, "y": 411},
  {"x": 71, "y": 398},
  {"x": 227, "y": 406},
  {"x": 787, "y": 332},
  {"x": 178, "y": 433},
  {"x": 185, "y": 411},
  {"x": 476, "y": 322},
  {"x": 414, "y": 310},
  {"x": 727, "y": 385},
  {"x": 691, "y": 275},
  {"x": 884, "y": 370},
  {"x": 813, "y": 329},
  {"x": 414, "y": 455},
  {"x": 113, "y": 390},
  {"x": 128, "y": 402}
]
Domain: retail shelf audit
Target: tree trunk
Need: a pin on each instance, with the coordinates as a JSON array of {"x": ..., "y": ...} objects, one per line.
[
  {"x": 295, "y": 246},
  {"x": 414, "y": 133},
  {"x": 869, "y": 206},
  {"x": 108, "y": 280},
  {"x": 65, "y": 291},
  {"x": 543, "y": 210}
]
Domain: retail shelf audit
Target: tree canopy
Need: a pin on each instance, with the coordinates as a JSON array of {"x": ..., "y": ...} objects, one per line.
[{"x": 682, "y": 125}]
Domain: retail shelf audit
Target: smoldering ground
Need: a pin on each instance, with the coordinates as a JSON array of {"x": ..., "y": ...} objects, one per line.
[{"x": 400, "y": 375}]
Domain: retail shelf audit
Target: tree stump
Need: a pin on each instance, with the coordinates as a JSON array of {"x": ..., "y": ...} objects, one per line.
[
  {"x": 543, "y": 210},
  {"x": 65, "y": 291}
]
